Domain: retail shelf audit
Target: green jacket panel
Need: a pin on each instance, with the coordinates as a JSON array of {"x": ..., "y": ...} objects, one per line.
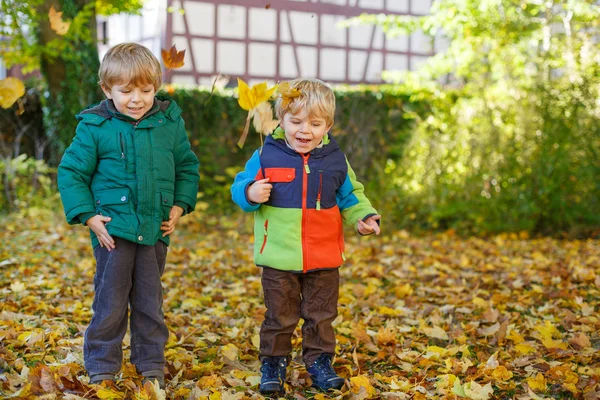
[{"x": 132, "y": 171}]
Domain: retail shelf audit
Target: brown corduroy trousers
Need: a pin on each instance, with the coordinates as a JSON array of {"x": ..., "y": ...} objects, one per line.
[{"x": 289, "y": 296}]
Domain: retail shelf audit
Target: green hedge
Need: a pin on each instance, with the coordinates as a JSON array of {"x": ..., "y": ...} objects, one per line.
[{"x": 405, "y": 149}]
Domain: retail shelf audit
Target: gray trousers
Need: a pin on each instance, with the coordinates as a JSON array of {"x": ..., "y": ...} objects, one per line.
[
  {"x": 129, "y": 275},
  {"x": 312, "y": 296}
]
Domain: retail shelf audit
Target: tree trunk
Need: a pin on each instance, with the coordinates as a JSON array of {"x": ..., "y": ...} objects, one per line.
[{"x": 71, "y": 77}]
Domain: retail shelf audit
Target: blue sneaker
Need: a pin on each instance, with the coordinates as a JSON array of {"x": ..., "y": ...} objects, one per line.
[
  {"x": 323, "y": 374},
  {"x": 273, "y": 375}
]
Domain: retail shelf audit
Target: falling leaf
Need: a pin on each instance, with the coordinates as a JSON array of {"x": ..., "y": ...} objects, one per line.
[
  {"x": 56, "y": 22},
  {"x": 268, "y": 6},
  {"x": 172, "y": 58},
  {"x": 11, "y": 89},
  {"x": 251, "y": 97},
  {"x": 263, "y": 118}
]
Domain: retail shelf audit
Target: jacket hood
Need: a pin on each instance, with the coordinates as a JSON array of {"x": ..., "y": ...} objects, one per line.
[
  {"x": 106, "y": 110},
  {"x": 278, "y": 139}
]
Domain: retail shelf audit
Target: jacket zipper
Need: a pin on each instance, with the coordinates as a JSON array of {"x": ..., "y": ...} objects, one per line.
[
  {"x": 320, "y": 190},
  {"x": 304, "y": 212},
  {"x": 122, "y": 145},
  {"x": 265, "y": 237}
]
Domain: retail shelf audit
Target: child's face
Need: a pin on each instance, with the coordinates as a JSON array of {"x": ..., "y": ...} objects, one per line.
[
  {"x": 134, "y": 101},
  {"x": 304, "y": 132}
]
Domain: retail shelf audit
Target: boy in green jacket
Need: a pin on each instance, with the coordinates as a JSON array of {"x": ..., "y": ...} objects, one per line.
[{"x": 129, "y": 175}]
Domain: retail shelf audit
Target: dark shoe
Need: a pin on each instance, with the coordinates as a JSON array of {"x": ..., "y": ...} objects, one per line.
[
  {"x": 323, "y": 374},
  {"x": 273, "y": 375},
  {"x": 151, "y": 376},
  {"x": 96, "y": 379}
]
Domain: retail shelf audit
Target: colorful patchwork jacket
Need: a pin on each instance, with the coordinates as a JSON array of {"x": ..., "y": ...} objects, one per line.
[{"x": 299, "y": 228}]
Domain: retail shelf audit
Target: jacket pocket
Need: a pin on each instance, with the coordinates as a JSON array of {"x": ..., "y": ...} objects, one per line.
[
  {"x": 265, "y": 236},
  {"x": 116, "y": 204},
  {"x": 280, "y": 174},
  {"x": 166, "y": 203}
]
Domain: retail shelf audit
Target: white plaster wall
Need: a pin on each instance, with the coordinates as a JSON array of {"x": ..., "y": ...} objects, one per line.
[{"x": 266, "y": 59}]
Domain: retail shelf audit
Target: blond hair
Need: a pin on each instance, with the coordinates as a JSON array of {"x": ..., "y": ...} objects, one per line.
[
  {"x": 316, "y": 97},
  {"x": 129, "y": 64}
]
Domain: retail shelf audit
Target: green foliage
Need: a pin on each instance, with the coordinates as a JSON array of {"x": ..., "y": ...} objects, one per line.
[
  {"x": 372, "y": 125},
  {"x": 512, "y": 139},
  {"x": 26, "y": 183},
  {"x": 110, "y": 7}
]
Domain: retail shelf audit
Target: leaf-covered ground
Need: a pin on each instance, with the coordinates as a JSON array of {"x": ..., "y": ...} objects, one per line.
[{"x": 506, "y": 317}]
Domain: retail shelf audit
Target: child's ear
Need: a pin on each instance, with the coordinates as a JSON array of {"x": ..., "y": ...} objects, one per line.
[{"x": 106, "y": 91}]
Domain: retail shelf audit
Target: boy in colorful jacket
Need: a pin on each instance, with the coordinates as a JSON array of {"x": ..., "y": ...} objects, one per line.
[
  {"x": 300, "y": 186},
  {"x": 129, "y": 175}
]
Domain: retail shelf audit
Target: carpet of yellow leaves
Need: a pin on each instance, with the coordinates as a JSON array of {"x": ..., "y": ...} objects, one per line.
[{"x": 435, "y": 317}]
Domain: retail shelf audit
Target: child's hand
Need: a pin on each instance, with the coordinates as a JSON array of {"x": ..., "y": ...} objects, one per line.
[
  {"x": 369, "y": 226},
  {"x": 169, "y": 226},
  {"x": 96, "y": 224},
  {"x": 259, "y": 191}
]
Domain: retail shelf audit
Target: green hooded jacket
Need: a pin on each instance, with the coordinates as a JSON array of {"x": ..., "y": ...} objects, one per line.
[{"x": 132, "y": 171}]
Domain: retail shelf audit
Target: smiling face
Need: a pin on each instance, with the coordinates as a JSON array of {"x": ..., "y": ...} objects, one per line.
[
  {"x": 304, "y": 132},
  {"x": 133, "y": 101}
]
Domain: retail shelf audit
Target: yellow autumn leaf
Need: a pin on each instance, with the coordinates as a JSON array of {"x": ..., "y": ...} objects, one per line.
[
  {"x": 11, "y": 89},
  {"x": 230, "y": 351},
  {"x": 537, "y": 383},
  {"x": 188, "y": 304},
  {"x": 445, "y": 381},
  {"x": 386, "y": 336},
  {"x": 436, "y": 332},
  {"x": 571, "y": 388},
  {"x": 475, "y": 391},
  {"x": 548, "y": 330},
  {"x": 524, "y": 348},
  {"x": 502, "y": 374},
  {"x": 404, "y": 291},
  {"x": 287, "y": 94},
  {"x": 56, "y": 22},
  {"x": 434, "y": 352},
  {"x": 109, "y": 394},
  {"x": 210, "y": 381},
  {"x": 392, "y": 312},
  {"x": 250, "y": 97},
  {"x": 515, "y": 337},
  {"x": 24, "y": 336},
  {"x": 361, "y": 381},
  {"x": 215, "y": 396},
  {"x": 402, "y": 385},
  {"x": 550, "y": 343}
]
